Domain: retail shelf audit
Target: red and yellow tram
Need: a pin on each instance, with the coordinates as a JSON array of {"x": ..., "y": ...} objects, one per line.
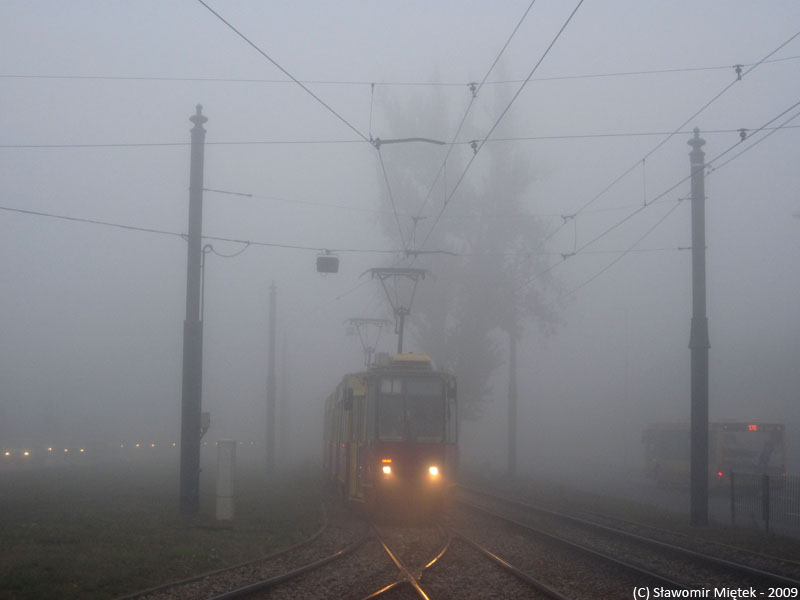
[{"x": 391, "y": 436}]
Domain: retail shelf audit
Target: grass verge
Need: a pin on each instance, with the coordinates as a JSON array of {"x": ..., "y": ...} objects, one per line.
[{"x": 101, "y": 531}]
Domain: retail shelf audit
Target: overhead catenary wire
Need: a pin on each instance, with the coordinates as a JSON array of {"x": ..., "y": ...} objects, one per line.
[
  {"x": 532, "y": 138},
  {"x": 284, "y": 71},
  {"x": 514, "y": 216},
  {"x": 475, "y": 91},
  {"x": 205, "y": 237},
  {"x": 385, "y": 82},
  {"x": 322, "y": 102},
  {"x": 248, "y": 243},
  {"x": 497, "y": 122},
  {"x": 626, "y": 252},
  {"x": 687, "y": 177},
  {"x": 740, "y": 76},
  {"x": 582, "y": 250}
]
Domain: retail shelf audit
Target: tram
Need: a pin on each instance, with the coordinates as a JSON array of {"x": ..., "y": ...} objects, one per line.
[{"x": 390, "y": 436}]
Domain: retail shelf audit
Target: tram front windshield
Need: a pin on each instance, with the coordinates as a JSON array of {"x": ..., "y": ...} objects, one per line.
[{"x": 411, "y": 409}]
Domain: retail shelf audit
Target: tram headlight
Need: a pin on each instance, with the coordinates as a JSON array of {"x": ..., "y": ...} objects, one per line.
[{"x": 433, "y": 470}]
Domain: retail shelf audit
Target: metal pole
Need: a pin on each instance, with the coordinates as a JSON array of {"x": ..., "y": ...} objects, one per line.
[
  {"x": 765, "y": 501},
  {"x": 401, "y": 312},
  {"x": 191, "y": 398},
  {"x": 512, "y": 401},
  {"x": 271, "y": 381},
  {"x": 699, "y": 341}
]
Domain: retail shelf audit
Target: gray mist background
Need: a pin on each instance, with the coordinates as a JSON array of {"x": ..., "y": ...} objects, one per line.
[{"x": 91, "y": 315}]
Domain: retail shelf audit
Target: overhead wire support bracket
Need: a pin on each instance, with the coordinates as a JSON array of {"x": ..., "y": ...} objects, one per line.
[
  {"x": 378, "y": 142},
  {"x": 400, "y": 300}
]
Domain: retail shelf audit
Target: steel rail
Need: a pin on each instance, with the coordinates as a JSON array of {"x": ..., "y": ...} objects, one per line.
[
  {"x": 522, "y": 575},
  {"x": 715, "y": 560},
  {"x": 408, "y": 576},
  {"x": 270, "y": 556},
  {"x": 585, "y": 549},
  {"x": 273, "y": 581},
  {"x": 419, "y": 570}
]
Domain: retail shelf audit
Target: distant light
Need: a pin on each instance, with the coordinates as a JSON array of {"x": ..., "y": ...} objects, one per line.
[
  {"x": 122, "y": 445},
  {"x": 138, "y": 445},
  {"x": 66, "y": 449},
  {"x": 174, "y": 444},
  {"x": 50, "y": 449},
  {"x": 82, "y": 450},
  {"x": 386, "y": 460},
  {"x": 434, "y": 471},
  {"x": 387, "y": 470},
  {"x": 26, "y": 453},
  {"x": 7, "y": 453},
  {"x": 752, "y": 427},
  {"x": 720, "y": 473},
  {"x": 152, "y": 445}
]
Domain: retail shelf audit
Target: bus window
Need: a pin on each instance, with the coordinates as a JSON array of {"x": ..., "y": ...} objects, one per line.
[{"x": 758, "y": 451}]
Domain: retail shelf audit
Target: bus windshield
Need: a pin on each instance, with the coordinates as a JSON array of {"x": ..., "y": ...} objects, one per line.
[
  {"x": 756, "y": 451},
  {"x": 411, "y": 409}
]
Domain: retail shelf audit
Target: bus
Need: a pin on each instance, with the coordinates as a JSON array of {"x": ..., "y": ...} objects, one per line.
[{"x": 753, "y": 447}]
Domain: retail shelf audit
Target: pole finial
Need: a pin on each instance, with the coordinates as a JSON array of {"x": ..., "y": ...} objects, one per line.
[
  {"x": 696, "y": 142},
  {"x": 198, "y": 118}
]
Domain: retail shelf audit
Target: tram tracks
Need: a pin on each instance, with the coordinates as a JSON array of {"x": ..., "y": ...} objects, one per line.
[
  {"x": 648, "y": 562},
  {"x": 475, "y": 552},
  {"x": 379, "y": 561}
]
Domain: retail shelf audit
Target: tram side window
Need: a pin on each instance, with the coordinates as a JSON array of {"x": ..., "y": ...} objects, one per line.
[
  {"x": 359, "y": 420},
  {"x": 345, "y": 417},
  {"x": 371, "y": 409},
  {"x": 391, "y": 411}
]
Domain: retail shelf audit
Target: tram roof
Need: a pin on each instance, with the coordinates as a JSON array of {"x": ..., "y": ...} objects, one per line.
[{"x": 408, "y": 360}]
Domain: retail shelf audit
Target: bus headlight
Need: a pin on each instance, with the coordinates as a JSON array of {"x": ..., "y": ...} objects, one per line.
[{"x": 433, "y": 470}]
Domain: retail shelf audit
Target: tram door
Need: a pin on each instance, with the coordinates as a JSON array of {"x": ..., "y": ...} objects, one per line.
[{"x": 357, "y": 401}]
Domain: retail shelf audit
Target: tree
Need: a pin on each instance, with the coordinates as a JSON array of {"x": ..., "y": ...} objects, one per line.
[{"x": 482, "y": 247}]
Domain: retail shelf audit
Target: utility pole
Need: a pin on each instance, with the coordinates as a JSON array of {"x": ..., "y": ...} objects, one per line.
[
  {"x": 271, "y": 382},
  {"x": 284, "y": 405},
  {"x": 191, "y": 398},
  {"x": 699, "y": 341},
  {"x": 512, "y": 399}
]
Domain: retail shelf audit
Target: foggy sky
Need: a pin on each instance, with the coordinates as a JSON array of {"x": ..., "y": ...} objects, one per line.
[{"x": 92, "y": 315}]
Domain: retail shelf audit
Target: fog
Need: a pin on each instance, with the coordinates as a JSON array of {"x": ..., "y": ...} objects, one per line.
[{"x": 94, "y": 127}]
